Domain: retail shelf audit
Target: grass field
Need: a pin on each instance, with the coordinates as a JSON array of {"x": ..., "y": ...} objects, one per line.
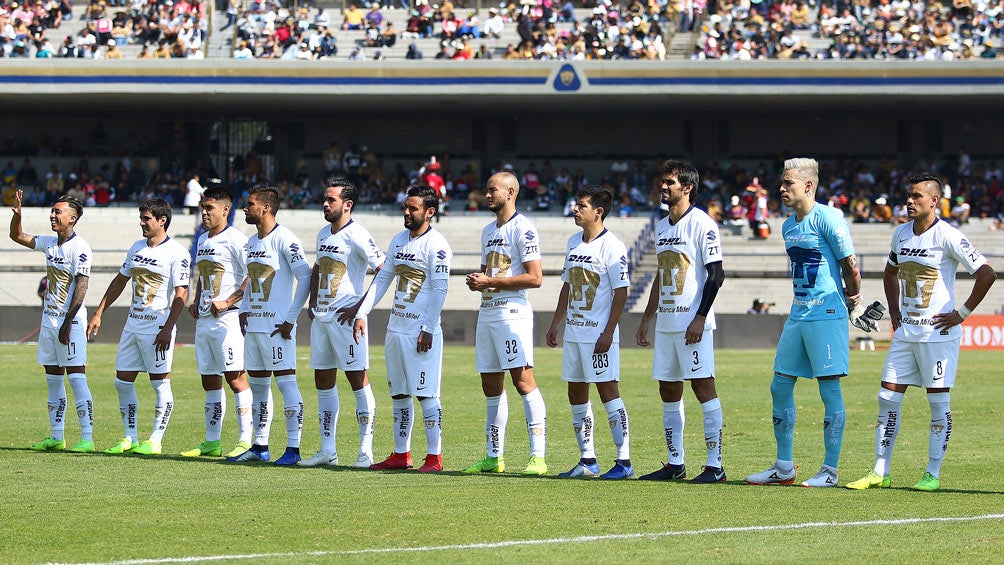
[{"x": 71, "y": 508}]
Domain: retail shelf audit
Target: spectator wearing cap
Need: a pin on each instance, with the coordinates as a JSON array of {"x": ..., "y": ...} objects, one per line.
[
  {"x": 494, "y": 25},
  {"x": 760, "y": 307},
  {"x": 960, "y": 211},
  {"x": 881, "y": 212},
  {"x": 112, "y": 51},
  {"x": 375, "y": 16}
]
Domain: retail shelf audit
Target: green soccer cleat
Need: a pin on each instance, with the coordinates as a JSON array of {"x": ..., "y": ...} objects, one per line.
[
  {"x": 487, "y": 465},
  {"x": 206, "y": 448},
  {"x": 929, "y": 483},
  {"x": 148, "y": 447},
  {"x": 49, "y": 444},
  {"x": 125, "y": 445},
  {"x": 83, "y": 446},
  {"x": 535, "y": 467},
  {"x": 238, "y": 449},
  {"x": 871, "y": 480}
]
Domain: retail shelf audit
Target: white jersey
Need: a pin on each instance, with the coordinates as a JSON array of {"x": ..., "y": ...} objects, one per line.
[
  {"x": 421, "y": 265},
  {"x": 342, "y": 258},
  {"x": 155, "y": 273},
  {"x": 63, "y": 263},
  {"x": 504, "y": 251},
  {"x": 221, "y": 266},
  {"x": 927, "y": 265},
  {"x": 593, "y": 272},
  {"x": 268, "y": 298},
  {"x": 684, "y": 249}
]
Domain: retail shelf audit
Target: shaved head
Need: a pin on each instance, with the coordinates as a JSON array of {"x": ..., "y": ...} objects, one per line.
[{"x": 506, "y": 180}]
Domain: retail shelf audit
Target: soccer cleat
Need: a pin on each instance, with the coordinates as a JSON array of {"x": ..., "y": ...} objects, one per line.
[
  {"x": 871, "y": 480},
  {"x": 667, "y": 472},
  {"x": 83, "y": 446},
  {"x": 536, "y": 466},
  {"x": 49, "y": 444},
  {"x": 394, "y": 461},
  {"x": 581, "y": 470},
  {"x": 289, "y": 458},
  {"x": 319, "y": 458},
  {"x": 125, "y": 445},
  {"x": 826, "y": 477},
  {"x": 487, "y": 465},
  {"x": 148, "y": 447},
  {"x": 252, "y": 454},
  {"x": 432, "y": 464},
  {"x": 772, "y": 476},
  {"x": 710, "y": 475},
  {"x": 363, "y": 461},
  {"x": 929, "y": 483},
  {"x": 207, "y": 448},
  {"x": 619, "y": 471},
  {"x": 238, "y": 449}
]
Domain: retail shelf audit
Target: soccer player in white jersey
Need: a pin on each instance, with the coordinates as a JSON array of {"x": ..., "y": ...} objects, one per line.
[
  {"x": 589, "y": 307},
  {"x": 62, "y": 345},
  {"x": 158, "y": 267},
  {"x": 419, "y": 257},
  {"x": 510, "y": 264},
  {"x": 690, "y": 273},
  {"x": 219, "y": 343},
  {"x": 814, "y": 341},
  {"x": 344, "y": 251},
  {"x": 268, "y": 317},
  {"x": 920, "y": 289}
]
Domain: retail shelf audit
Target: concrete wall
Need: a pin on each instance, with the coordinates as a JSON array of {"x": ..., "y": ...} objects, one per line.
[{"x": 735, "y": 331}]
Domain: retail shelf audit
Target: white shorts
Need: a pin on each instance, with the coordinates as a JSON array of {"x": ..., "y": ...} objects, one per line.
[
  {"x": 503, "y": 345},
  {"x": 675, "y": 361},
  {"x": 580, "y": 365},
  {"x": 51, "y": 352},
  {"x": 264, "y": 352},
  {"x": 138, "y": 353},
  {"x": 930, "y": 365},
  {"x": 219, "y": 344},
  {"x": 410, "y": 372},
  {"x": 332, "y": 346}
]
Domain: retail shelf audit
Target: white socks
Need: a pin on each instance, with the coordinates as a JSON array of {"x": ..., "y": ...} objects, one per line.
[
  {"x": 261, "y": 408},
  {"x": 327, "y": 415},
  {"x": 163, "y": 405},
  {"x": 432, "y": 413},
  {"x": 84, "y": 404},
  {"x": 941, "y": 430},
  {"x": 673, "y": 419},
  {"x": 56, "y": 404},
  {"x": 536, "y": 421},
  {"x": 889, "y": 403},
  {"x": 216, "y": 405},
  {"x": 618, "y": 418},
  {"x": 292, "y": 404},
  {"x": 582, "y": 423},
  {"x": 244, "y": 426},
  {"x": 128, "y": 405},
  {"x": 365, "y": 416},
  {"x": 403, "y": 409},
  {"x": 713, "y": 431},
  {"x": 495, "y": 422}
]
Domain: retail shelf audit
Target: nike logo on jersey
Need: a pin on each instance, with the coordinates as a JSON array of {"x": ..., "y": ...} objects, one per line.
[
  {"x": 158, "y": 365},
  {"x": 352, "y": 361},
  {"x": 601, "y": 372},
  {"x": 513, "y": 359},
  {"x": 828, "y": 365},
  {"x": 695, "y": 369}
]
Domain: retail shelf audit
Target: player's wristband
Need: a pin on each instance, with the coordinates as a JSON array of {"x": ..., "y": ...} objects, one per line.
[{"x": 963, "y": 311}]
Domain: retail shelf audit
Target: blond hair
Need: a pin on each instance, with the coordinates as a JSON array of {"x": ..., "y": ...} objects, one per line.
[{"x": 804, "y": 166}]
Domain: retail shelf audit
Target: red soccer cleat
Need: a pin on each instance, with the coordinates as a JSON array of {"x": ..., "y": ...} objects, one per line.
[
  {"x": 394, "y": 461},
  {"x": 433, "y": 464}
]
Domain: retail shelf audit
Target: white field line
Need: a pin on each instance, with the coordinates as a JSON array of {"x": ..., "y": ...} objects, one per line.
[{"x": 556, "y": 541}]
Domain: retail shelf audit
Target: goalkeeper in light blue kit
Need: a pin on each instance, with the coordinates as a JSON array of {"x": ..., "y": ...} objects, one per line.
[{"x": 814, "y": 342}]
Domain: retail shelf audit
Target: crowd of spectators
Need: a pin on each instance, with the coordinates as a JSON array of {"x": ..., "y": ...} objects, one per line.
[
  {"x": 735, "y": 193},
  {"x": 852, "y": 29},
  {"x": 164, "y": 28}
]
